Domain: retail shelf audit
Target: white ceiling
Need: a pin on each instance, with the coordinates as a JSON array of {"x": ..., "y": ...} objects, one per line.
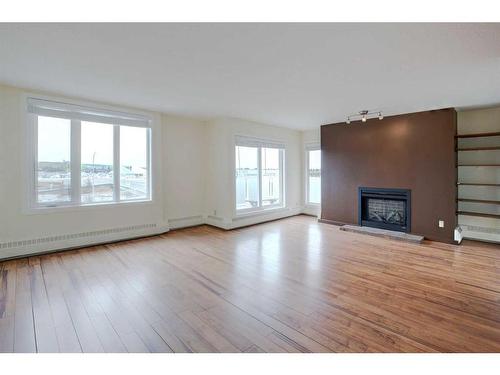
[{"x": 293, "y": 75}]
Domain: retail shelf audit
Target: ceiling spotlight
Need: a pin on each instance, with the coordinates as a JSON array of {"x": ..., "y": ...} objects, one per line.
[{"x": 364, "y": 115}]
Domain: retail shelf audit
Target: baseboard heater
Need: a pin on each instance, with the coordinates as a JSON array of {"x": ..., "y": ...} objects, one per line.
[{"x": 65, "y": 241}]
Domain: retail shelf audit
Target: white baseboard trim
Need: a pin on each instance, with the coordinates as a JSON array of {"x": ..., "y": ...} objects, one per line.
[
  {"x": 262, "y": 218},
  {"x": 257, "y": 218},
  {"x": 311, "y": 210},
  {"x": 14, "y": 249},
  {"x": 188, "y": 221},
  {"x": 20, "y": 248},
  {"x": 217, "y": 221}
]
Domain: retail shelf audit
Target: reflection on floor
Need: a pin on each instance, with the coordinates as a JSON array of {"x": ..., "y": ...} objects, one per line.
[{"x": 292, "y": 285}]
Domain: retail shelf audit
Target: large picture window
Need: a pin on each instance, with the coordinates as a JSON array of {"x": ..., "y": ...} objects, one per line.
[
  {"x": 259, "y": 175},
  {"x": 85, "y": 156},
  {"x": 313, "y": 183}
]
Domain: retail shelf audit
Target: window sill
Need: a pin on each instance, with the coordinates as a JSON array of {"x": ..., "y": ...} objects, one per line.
[{"x": 86, "y": 207}]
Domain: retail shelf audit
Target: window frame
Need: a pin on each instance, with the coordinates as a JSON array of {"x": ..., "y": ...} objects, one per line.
[
  {"x": 309, "y": 148},
  {"x": 259, "y": 144},
  {"x": 31, "y": 121}
]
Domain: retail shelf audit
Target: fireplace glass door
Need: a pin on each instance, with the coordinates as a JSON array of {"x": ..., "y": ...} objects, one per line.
[{"x": 385, "y": 208}]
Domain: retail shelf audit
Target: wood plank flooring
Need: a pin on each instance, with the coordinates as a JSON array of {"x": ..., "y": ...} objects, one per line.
[{"x": 292, "y": 285}]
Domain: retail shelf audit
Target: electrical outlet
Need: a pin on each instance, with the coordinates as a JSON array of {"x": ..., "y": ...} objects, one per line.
[{"x": 441, "y": 223}]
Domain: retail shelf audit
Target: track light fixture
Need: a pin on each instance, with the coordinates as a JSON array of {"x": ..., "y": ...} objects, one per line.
[{"x": 364, "y": 115}]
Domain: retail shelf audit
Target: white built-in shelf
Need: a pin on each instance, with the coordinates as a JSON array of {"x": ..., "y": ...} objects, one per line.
[
  {"x": 478, "y": 135},
  {"x": 478, "y": 201},
  {"x": 481, "y": 156},
  {"x": 476, "y": 184},
  {"x": 478, "y": 165},
  {"x": 479, "y": 214},
  {"x": 492, "y": 148}
]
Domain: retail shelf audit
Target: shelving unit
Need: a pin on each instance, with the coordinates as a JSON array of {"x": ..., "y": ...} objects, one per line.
[
  {"x": 480, "y": 200},
  {"x": 478, "y": 214},
  {"x": 479, "y": 165},
  {"x": 475, "y": 184},
  {"x": 478, "y": 135},
  {"x": 479, "y": 148}
]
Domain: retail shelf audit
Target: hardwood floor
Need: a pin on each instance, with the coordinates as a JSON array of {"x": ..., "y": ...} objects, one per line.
[{"x": 292, "y": 285}]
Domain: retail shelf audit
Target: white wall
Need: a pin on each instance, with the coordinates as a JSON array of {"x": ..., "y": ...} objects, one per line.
[
  {"x": 220, "y": 202},
  {"x": 178, "y": 146},
  {"x": 70, "y": 226},
  {"x": 184, "y": 167},
  {"x": 193, "y": 182}
]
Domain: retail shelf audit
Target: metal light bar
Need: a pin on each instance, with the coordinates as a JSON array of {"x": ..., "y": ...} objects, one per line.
[{"x": 364, "y": 115}]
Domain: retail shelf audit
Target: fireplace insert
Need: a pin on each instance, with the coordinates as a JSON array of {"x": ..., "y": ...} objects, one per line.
[{"x": 385, "y": 208}]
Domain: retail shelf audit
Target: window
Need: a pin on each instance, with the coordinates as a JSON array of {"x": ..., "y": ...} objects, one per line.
[
  {"x": 259, "y": 175},
  {"x": 247, "y": 177},
  {"x": 53, "y": 160},
  {"x": 97, "y": 183},
  {"x": 313, "y": 183},
  {"x": 271, "y": 176},
  {"x": 134, "y": 171},
  {"x": 85, "y": 156}
]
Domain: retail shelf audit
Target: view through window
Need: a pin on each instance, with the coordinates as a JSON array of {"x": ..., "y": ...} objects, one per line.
[
  {"x": 134, "y": 172},
  {"x": 54, "y": 160},
  {"x": 259, "y": 177},
  {"x": 271, "y": 176},
  {"x": 97, "y": 163},
  {"x": 314, "y": 176},
  {"x": 77, "y": 161}
]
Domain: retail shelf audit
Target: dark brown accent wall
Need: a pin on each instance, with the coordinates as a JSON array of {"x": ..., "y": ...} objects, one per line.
[{"x": 414, "y": 151}]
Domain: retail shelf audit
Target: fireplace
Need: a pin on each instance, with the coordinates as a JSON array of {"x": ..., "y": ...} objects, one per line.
[{"x": 385, "y": 208}]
